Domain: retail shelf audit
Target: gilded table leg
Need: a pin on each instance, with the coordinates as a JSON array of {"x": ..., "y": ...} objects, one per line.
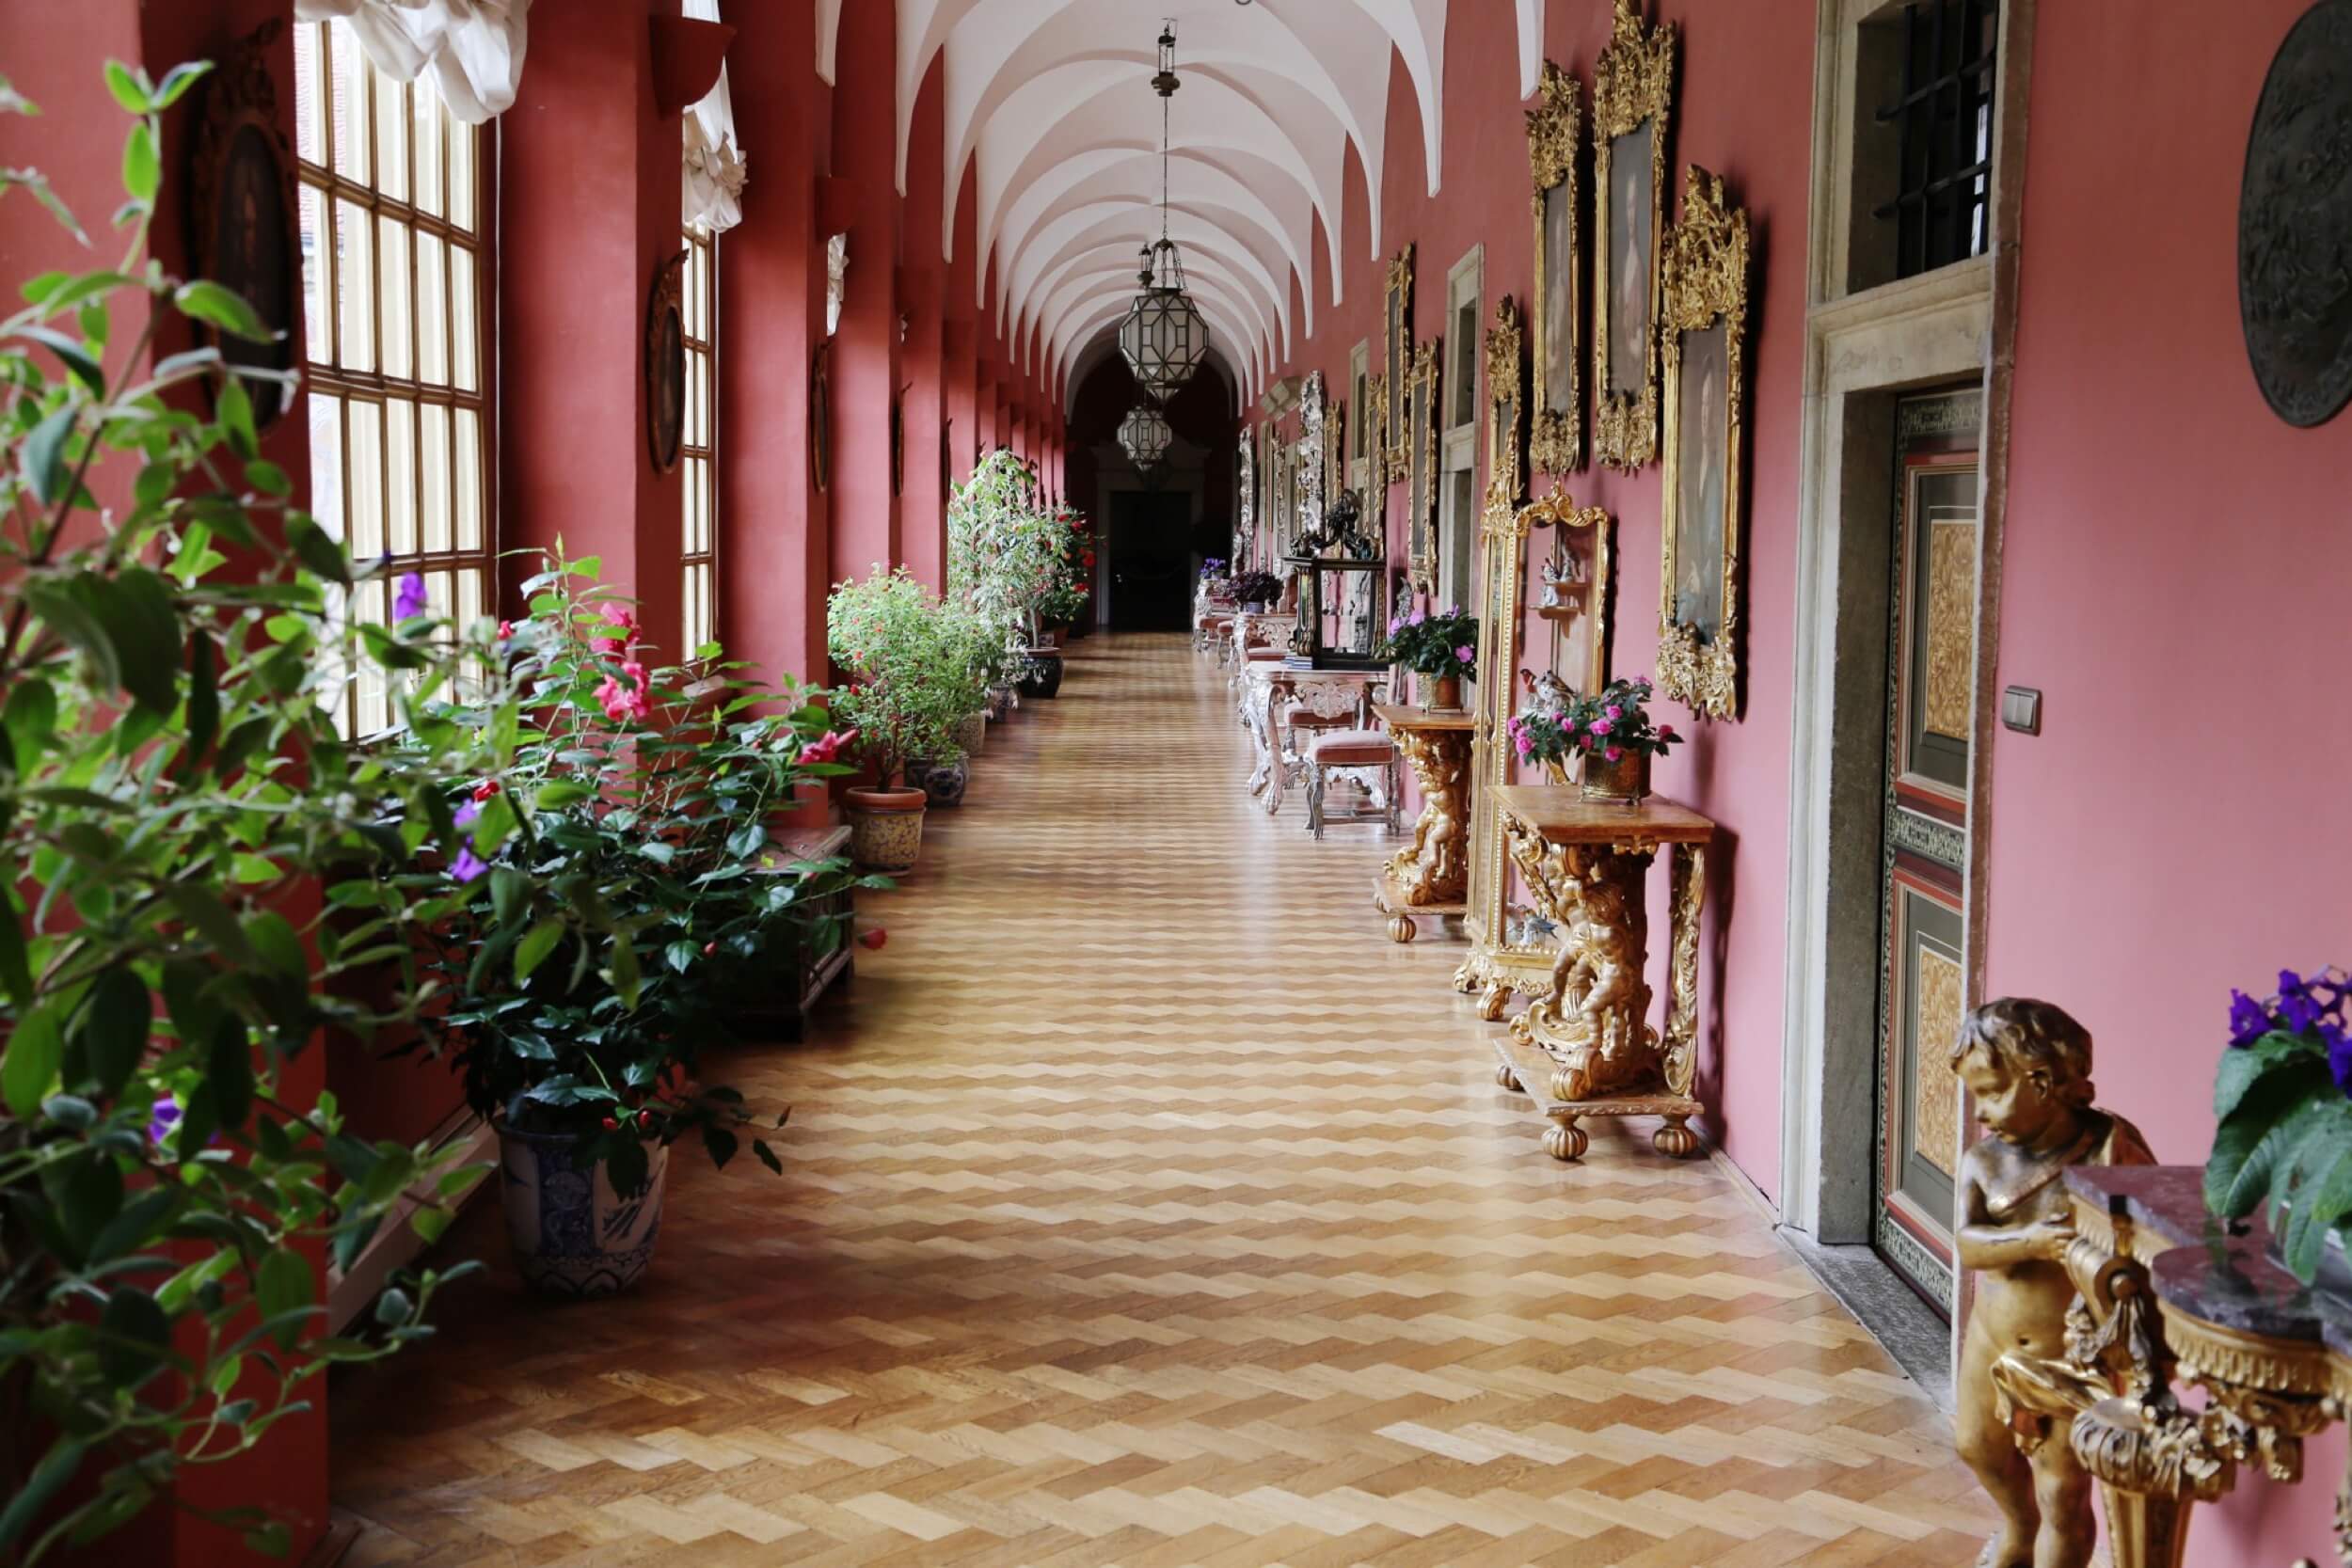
[
  {"x": 1494, "y": 1001},
  {"x": 1676, "y": 1140},
  {"x": 1402, "y": 929},
  {"x": 1508, "y": 1079},
  {"x": 2146, "y": 1532},
  {"x": 1436, "y": 870},
  {"x": 1682, "y": 1019},
  {"x": 1565, "y": 1140}
]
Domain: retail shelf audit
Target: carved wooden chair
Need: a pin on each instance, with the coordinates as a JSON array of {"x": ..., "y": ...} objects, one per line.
[{"x": 1368, "y": 755}]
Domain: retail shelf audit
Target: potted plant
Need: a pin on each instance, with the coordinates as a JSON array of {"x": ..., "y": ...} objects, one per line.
[
  {"x": 1443, "y": 649},
  {"x": 614, "y": 876},
  {"x": 2284, "y": 1136},
  {"x": 1611, "y": 733},
  {"x": 1254, "y": 591},
  {"x": 909, "y": 683},
  {"x": 202, "y": 887}
]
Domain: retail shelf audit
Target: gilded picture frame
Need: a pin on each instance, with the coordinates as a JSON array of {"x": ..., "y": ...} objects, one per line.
[
  {"x": 1632, "y": 115},
  {"x": 1315, "y": 438},
  {"x": 1397, "y": 338},
  {"x": 1506, "y": 405},
  {"x": 1554, "y": 132},
  {"x": 1374, "y": 456},
  {"x": 1703, "y": 329},
  {"x": 1584, "y": 556},
  {"x": 1421, "y": 488},
  {"x": 1245, "y": 525}
]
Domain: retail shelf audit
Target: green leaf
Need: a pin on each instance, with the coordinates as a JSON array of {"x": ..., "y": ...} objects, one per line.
[
  {"x": 315, "y": 550},
  {"x": 59, "y": 1465},
  {"x": 37, "y": 289},
  {"x": 561, "y": 793},
  {"x": 179, "y": 79},
  {"x": 35, "y": 1050},
  {"x": 142, "y": 170},
  {"x": 283, "y": 1286},
  {"x": 203, "y": 709},
  {"x": 136, "y": 608},
  {"x": 268, "y": 478},
  {"x": 77, "y": 358},
  {"x": 114, "y": 1028},
  {"x": 217, "y": 306},
  {"x": 2321, "y": 1200},
  {"x": 766, "y": 1155},
  {"x": 533, "y": 949},
  {"x": 430, "y": 1223},
  {"x": 2260, "y": 1130},
  {"x": 233, "y": 410},
  {"x": 136, "y": 1226},
  {"x": 128, "y": 91},
  {"x": 42, "y": 459},
  {"x": 230, "y": 1063},
  {"x": 624, "y": 975},
  {"x": 211, "y": 919},
  {"x": 2240, "y": 1068},
  {"x": 271, "y": 1539},
  {"x": 721, "y": 1145},
  {"x": 509, "y": 894},
  {"x": 273, "y": 937}
]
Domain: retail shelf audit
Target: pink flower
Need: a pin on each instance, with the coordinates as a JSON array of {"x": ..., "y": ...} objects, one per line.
[
  {"x": 623, "y": 620},
  {"x": 507, "y": 630},
  {"x": 624, "y": 700},
  {"x": 827, "y": 747},
  {"x": 1467, "y": 655},
  {"x": 1665, "y": 732},
  {"x": 1600, "y": 726},
  {"x": 1614, "y": 754},
  {"x": 1525, "y": 742},
  {"x": 1614, "y": 713}
]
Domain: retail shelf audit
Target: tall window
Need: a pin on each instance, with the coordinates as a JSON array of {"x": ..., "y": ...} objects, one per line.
[
  {"x": 1943, "y": 116},
  {"x": 1459, "y": 426},
  {"x": 700, "y": 438},
  {"x": 394, "y": 273}
]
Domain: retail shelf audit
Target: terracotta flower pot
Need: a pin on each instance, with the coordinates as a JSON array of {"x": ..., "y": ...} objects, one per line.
[
  {"x": 886, "y": 827},
  {"x": 572, "y": 1233},
  {"x": 1445, "y": 693},
  {"x": 1625, "y": 782}
]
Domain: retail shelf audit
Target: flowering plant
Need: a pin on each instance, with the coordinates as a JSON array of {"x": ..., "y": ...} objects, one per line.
[
  {"x": 618, "y": 871},
  {"x": 1070, "y": 576},
  {"x": 2283, "y": 1094},
  {"x": 1434, "y": 645},
  {"x": 1608, "y": 725},
  {"x": 908, "y": 663},
  {"x": 1257, "y": 588},
  {"x": 201, "y": 888},
  {"x": 1008, "y": 558}
]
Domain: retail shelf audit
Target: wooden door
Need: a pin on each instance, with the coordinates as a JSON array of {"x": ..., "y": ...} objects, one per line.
[{"x": 1924, "y": 850}]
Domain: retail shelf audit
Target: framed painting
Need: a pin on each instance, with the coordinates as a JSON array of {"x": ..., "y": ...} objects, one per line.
[
  {"x": 1554, "y": 132},
  {"x": 665, "y": 363},
  {"x": 243, "y": 211},
  {"x": 1632, "y": 104},
  {"x": 1506, "y": 407},
  {"x": 1703, "y": 326},
  {"x": 1397, "y": 336},
  {"x": 1420, "y": 479}
]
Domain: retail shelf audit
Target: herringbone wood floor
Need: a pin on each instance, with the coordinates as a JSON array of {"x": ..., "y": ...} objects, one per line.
[{"x": 1145, "y": 1205}]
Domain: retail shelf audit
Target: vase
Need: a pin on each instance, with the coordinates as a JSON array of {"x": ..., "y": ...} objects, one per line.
[
  {"x": 886, "y": 827},
  {"x": 1043, "y": 678},
  {"x": 970, "y": 733},
  {"x": 1445, "y": 693},
  {"x": 1624, "y": 782},
  {"x": 572, "y": 1234},
  {"x": 943, "y": 783},
  {"x": 1000, "y": 703}
]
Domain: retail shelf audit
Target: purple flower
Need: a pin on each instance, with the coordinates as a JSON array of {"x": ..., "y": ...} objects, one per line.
[
  {"x": 1466, "y": 654},
  {"x": 2339, "y": 1055},
  {"x": 1419, "y": 616},
  {"x": 469, "y": 814},
  {"x": 2298, "y": 1009},
  {"x": 2249, "y": 1020},
  {"x": 411, "y": 600},
  {"x": 1525, "y": 742},
  {"x": 468, "y": 866},
  {"x": 163, "y": 1119}
]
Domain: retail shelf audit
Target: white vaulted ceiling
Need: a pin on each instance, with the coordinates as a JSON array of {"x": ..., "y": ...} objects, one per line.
[{"x": 1050, "y": 101}]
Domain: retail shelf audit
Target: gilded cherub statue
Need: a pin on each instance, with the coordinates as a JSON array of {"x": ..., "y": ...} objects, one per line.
[
  {"x": 1596, "y": 981},
  {"x": 2027, "y": 1065}
]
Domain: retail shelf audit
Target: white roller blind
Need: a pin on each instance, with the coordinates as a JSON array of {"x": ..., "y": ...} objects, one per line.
[{"x": 474, "y": 48}]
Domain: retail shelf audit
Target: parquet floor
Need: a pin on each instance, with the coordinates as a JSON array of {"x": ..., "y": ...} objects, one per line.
[{"x": 1144, "y": 1205}]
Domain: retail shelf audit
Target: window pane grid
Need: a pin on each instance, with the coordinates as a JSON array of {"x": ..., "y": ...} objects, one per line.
[
  {"x": 699, "y": 442},
  {"x": 389, "y": 243}
]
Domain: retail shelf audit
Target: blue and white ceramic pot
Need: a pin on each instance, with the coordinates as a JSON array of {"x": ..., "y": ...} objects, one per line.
[{"x": 573, "y": 1235}]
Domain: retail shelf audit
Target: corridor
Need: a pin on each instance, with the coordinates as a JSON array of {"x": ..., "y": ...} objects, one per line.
[{"x": 1143, "y": 1204}]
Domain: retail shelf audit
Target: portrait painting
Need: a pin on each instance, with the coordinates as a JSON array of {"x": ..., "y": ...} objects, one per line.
[
  {"x": 1701, "y": 480},
  {"x": 665, "y": 364},
  {"x": 1631, "y": 234},
  {"x": 242, "y": 212},
  {"x": 1559, "y": 324}
]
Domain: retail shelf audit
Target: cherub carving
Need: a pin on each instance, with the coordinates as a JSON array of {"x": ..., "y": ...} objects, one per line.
[{"x": 1597, "y": 981}]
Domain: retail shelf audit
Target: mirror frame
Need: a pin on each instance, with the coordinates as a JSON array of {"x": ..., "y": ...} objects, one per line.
[
  {"x": 1633, "y": 82},
  {"x": 1506, "y": 359},
  {"x": 1553, "y": 132},
  {"x": 1568, "y": 521},
  {"x": 1706, "y": 283}
]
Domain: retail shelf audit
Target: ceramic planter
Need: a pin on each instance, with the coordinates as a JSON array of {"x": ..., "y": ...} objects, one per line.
[
  {"x": 1000, "y": 699},
  {"x": 971, "y": 733},
  {"x": 885, "y": 828},
  {"x": 1044, "y": 674},
  {"x": 1625, "y": 782},
  {"x": 941, "y": 782},
  {"x": 572, "y": 1234}
]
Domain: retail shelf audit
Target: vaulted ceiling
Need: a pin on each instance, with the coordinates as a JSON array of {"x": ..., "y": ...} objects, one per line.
[{"x": 1050, "y": 101}]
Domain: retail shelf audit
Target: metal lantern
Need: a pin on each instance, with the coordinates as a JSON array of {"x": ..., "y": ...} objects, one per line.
[
  {"x": 1144, "y": 434},
  {"x": 1165, "y": 337}
]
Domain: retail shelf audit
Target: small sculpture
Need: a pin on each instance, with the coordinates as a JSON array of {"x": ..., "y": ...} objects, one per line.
[
  {"x": 1597, "y": 979},
  {"x": 2027, "y": 1065},
  {"x": 1568, "y": 573}
]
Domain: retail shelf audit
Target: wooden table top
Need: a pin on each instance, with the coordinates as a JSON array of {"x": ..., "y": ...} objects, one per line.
[
  {"x": 1560, "y": 813},
  {"x": 1398, "y": 717}
]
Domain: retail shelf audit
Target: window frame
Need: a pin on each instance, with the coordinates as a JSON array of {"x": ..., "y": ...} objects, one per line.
[
  {"x": 1460, "y": 382},
  {"x": 698, "y": 462}
]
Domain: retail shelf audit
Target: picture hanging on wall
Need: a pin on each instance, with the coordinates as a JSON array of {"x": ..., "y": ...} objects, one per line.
[
  {"x": 665, "y": 363},
  {"x": 1703, "y": 329},
  {"x": 1555, "y": 132},
  {"x": 1632, "y": 104},
  {"x": 821, "y": 416},
  {"x": 1507, "y": 344},
  {"x": 1421, "y": 480},
  {"x": 1397, "y": 339},
  {"x": 242, "y": 209}
]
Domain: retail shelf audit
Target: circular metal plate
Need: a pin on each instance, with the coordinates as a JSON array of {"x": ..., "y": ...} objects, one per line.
[{"x": 2294, "y": 222}]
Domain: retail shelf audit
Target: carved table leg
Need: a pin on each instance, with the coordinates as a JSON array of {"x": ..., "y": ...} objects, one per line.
[
  {"x": 1508, "y": 1079},
  {"x": 1402, "y": 929},
  {"x": 1564, "y": 1139},
  {"x": 1494, "y": 1001},
  {"x": 2146, "y": 1532},
  {"x": 1675, "y": 1139}
]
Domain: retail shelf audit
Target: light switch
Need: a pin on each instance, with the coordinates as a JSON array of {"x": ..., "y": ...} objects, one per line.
[{"x": 2021, "y": 710}]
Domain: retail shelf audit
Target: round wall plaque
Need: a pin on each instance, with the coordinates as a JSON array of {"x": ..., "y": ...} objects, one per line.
[{"x": 2294, "y": 222}]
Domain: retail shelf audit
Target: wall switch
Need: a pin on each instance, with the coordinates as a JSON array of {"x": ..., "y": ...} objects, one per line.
[{"x": 2021, "y": 710}]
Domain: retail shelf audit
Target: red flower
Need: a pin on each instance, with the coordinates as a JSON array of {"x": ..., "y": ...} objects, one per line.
[
  {"x": 487, "y": 788},
  {"x": 507, "y": 630},
  {"x": 872, "y": 939},
  {"x": 644, "y": 1117},
  {"x": 709, "y": 948},
  {"x": 612, "y": 1126},
  {"x": 827, "y": 747},
  {"x": 623, "y": 620}
]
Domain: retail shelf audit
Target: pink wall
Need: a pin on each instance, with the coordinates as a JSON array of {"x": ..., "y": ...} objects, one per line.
[
  {"x": 1760, "y": 141},
  {"x": 2177, "y": 579}
]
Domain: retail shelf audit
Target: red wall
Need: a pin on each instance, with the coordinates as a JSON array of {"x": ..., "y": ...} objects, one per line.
[
  {"x": 2178, "y": 574},
  {"x": 1760, "y": 141}
]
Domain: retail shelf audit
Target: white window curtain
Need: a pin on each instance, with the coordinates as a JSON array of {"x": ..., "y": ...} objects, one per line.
[
  {"x": 474, "y": 48},
  {"x": 713, "y": 195}
]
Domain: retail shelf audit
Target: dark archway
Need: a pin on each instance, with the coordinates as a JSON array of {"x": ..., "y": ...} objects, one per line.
[{"x": 1156, "y": 528}]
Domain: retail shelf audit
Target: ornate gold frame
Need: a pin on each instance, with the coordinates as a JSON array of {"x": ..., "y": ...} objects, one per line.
[
  {"x": 1245, "y": 526},
  {"x": 1421, "y": 480},
  {"x": 1552, "y": 135},
  {"x": 1632, "y": 81},
  {"x": 1314, "y": 438},
  {"x": 1374, "y": 456},
  {"x": 1505, "y": 359},
  {"x": 1496, "y": 966},
  {"x": 1396, "y": 338},
  {"x": 1704, "y": 277},
  {"x": 1594, "y": 675}
]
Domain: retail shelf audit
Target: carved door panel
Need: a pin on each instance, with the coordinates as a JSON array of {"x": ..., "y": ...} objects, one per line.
[{"x": 1924, "y": 851}]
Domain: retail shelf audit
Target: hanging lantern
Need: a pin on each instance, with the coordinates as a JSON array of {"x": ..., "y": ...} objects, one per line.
[
  {"x": 1144, "y": 434},
  {"x": 1164, "y": 336}
]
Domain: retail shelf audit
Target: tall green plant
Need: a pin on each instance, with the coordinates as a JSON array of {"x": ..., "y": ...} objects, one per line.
[
  {"x": 909, "y": 667},
  {"x": 207, "y": 880},
  {"x": 1004, "y": 549}
]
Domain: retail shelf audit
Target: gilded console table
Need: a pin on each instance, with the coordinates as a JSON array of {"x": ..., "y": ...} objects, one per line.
[
  {"x": 1588, "y": 1046},
  {"x": 2164, "y": 1293},
  {"x": 1433, "y": 877}
]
